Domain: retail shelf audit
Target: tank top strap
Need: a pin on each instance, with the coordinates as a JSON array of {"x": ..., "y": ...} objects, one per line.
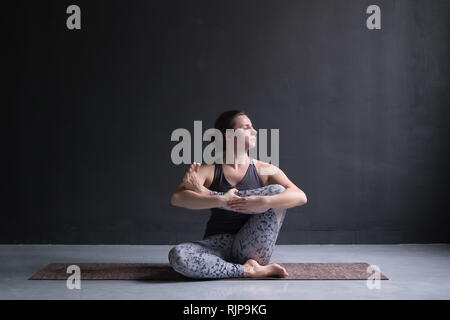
[
  {"x": 219, "y": 181},
  {"x": 217, "y": 172}
]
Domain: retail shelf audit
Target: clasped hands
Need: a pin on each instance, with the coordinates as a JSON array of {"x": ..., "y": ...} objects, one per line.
[
  {"x": 233, "y": 202},
  {"x": 230, "y": 200}
]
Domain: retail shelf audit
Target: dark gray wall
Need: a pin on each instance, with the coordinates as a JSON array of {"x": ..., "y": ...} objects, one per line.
[{"x": 363, "y": 115}]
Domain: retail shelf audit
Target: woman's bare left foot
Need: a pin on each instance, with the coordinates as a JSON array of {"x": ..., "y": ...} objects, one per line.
[{"x": 252, "y": 269}]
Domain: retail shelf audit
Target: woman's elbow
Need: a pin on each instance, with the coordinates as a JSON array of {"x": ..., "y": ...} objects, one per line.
[
  {"x": 303, "y": 199},
  {"x": 174, "y": 200}
]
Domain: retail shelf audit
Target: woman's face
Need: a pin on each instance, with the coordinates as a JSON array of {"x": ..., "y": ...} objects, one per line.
[{"x": 243, "y": 126}]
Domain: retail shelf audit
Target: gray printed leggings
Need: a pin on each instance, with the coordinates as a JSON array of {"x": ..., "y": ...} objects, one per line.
[{"x": 223, "y": 255}]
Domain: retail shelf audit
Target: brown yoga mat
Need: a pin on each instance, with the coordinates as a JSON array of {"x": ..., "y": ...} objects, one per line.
[{"x": 164, "y": 272}]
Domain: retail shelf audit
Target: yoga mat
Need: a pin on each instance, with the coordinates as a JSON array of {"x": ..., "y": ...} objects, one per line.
[{"x": 164, "y": 272}]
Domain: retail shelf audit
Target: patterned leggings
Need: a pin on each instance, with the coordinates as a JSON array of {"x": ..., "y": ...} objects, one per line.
[{"x": 223, "y": 255}]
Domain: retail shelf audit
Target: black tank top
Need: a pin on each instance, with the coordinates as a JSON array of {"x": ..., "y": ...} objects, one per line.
[{"x": 224, "y": 221}]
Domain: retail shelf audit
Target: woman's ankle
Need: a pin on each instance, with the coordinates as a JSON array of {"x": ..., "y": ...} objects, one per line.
[{"x": 248, "y": 270}]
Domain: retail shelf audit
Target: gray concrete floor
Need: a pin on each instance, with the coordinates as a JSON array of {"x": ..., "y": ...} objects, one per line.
[{"x": 416, "y": 271}]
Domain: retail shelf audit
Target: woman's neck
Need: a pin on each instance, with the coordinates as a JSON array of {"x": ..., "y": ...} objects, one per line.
[{"x": 242, "y": 160}]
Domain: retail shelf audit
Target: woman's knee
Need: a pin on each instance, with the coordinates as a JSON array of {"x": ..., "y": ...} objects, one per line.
[
  {"x": 268, "y": 190},
  {"x": 275, "y": 189},
  {"x": 177, "y": 255}
]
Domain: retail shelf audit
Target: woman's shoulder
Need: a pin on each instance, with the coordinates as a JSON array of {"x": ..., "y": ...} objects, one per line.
[
  {"x": 264, "y": 168},
  {"x": 206, "y": 169},
  {"x": 261, "y": 164},
  {"x": 207, "y": 172}
]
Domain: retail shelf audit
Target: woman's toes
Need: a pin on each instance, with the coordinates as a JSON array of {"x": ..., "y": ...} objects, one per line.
[{"x": 281, "y": 270}]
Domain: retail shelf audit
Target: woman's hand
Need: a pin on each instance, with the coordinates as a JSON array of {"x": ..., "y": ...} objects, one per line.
[
  {"x": 191, "y": 179},
  {"x": 228, "y": 196},
  {"x": 257, "y": 204}
]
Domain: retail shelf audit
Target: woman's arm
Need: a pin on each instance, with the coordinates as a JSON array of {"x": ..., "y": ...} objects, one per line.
[
  {"x": 291, "y": 197},
  {"x": 195, "y": 200},
  {"x": 192, "y": 194}
]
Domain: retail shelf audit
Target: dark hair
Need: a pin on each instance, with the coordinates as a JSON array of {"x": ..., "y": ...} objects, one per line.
[{"x": 226, "y": 121}]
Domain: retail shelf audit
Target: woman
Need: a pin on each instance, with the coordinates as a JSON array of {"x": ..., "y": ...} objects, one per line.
[{"x": 248, "y": 207}]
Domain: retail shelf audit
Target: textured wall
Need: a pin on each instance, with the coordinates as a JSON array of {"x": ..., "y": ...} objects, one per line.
[{"x": 363, "y": 115}]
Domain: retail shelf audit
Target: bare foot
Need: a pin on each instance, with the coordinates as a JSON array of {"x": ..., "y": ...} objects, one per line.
[{"x": 252, "y": 269}]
